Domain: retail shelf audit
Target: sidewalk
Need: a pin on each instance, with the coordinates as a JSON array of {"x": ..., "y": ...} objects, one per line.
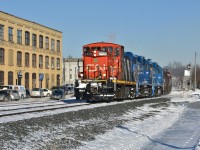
[{"x": 183, "y": 134}]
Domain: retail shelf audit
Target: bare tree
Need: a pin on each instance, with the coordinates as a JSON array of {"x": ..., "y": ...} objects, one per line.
[{"x": 177, "y": 72}]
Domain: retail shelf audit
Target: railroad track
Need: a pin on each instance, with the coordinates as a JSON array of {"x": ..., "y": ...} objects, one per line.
[
  {"x": 34, "y": 107},
  {"x": 29, "y": 108}
]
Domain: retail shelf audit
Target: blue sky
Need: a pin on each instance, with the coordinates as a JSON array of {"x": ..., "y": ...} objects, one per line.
[{"x": 162, "y": 30}]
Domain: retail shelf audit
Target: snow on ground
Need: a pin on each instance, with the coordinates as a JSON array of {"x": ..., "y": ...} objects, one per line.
[{"x": 135, "y": 134}]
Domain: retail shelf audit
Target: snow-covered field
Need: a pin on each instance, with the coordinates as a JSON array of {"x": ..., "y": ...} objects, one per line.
[
  {"x": 135, "y": 135},
  {"x": 148, "y": 133}
]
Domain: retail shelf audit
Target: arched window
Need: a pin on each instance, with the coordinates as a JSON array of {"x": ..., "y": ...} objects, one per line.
[
  {"x": 58, "y": 80},
  {"x": 52, "y": 44},
  {"x": 46, "y": 42},
  {"x": 34, "y": 61},
  {"x": 58, "y": 46},
  {"x": 33, "y": 80},
  {"x": 40, "y": 61},
  {"x": 1, "y": 77},
  {"x": 58, "y": 63},
  {"x": 27, "y": 38},
  {"x": 19, "y": 36},
  {"x": 47, "y": 62},
  {"x": 27, "y": 58},
  {"x": 40, "y": 41},
  {"x": 19, "y": 58},
  {"x": 1, "y": 32},
  {"x": 1, "y": 56},
  {"x": 27, "y": 80},
  {"x": 10, "y": 78},
  {"x": 52, "y": 63}
]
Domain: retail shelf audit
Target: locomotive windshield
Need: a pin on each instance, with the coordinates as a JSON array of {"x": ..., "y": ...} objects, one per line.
[{"x": 103, "y": 51}]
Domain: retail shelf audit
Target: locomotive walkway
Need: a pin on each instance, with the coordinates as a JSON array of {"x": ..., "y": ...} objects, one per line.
[{"x": 183, "y": 134}]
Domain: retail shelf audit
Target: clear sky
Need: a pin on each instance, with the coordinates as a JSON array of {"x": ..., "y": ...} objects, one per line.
[{"x": 162, "y": 30}]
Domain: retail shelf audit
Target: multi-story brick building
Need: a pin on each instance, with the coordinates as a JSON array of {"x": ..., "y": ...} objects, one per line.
[{"x": 30, "y": 53}]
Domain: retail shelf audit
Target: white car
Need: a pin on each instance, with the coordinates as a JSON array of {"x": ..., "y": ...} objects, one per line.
[
  {"x": 47, "y": 92},
  {"x": 37, "y": 92}
]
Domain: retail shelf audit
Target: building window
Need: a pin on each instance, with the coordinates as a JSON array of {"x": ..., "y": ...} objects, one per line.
[
  {"x": 27, "y": 80},
  {"x": 10, "y": 34},
  {"x": 34, "y": 40},
  {"x": 58, "y": 80},
  {"x": 34, "y": 80},
  {"x": 1, "y": 77},
  {"x": 19, "y": 58},
  {"x": 47, "y": 62},
  {"x": 40, "y": 41},
  {"x": 10, "y": 57},
  {"x": 19, "y": 36},
  {"x": 27, "y": 38},
  {"x": 10, "y": 78},
  {"x": 34, "y": 61},
  {"x": 1, "y": 56},
  {"x": 1, "y": 32},
  {"x": 52, "y": 44},
  {"x": 70, "y": 76},
  {"x": 58, "y": 63},
  {"x": 46, "y": 42},
  {"x": 52, "y": 63},
  {"x": 58, "y": 46},
  {"x": 40, "y": 61},
  {"x": 27, "y": 58}
]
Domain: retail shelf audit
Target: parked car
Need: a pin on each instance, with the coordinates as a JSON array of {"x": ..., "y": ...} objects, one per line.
[
  {"x": 20, "y": 88},
  {"x": 28, "y": 93},
  {"x": 70, "y": 90},
  {"x": 58, "y": 94},
  {"x": 9, "y": 94},
  {"x": 55, "y": 87},
  {"x": 47, "y": 92},
  {"x": 37, "y": 92}
]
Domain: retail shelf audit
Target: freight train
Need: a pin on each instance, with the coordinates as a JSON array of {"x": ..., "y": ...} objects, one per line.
[{"x": 109, "y": 73}]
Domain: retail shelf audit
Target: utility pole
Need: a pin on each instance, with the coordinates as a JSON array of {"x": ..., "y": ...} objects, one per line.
[{"x": 195, "y": 72}]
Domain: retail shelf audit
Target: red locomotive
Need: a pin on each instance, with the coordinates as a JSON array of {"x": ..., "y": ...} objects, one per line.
[{"x": 105, "y": 75}]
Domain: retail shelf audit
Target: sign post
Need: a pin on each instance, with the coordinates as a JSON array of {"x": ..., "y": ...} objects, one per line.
[{"x": 19, "y": 75}]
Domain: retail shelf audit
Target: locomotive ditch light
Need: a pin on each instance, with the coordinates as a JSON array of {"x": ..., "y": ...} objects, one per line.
[{"x": 104, "y": 75}]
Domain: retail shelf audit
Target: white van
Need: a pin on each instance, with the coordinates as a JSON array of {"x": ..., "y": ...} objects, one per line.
[{"x": 21, "y": 89}]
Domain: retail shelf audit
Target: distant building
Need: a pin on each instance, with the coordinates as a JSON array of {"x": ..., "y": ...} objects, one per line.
[
  {"x": 71, "y": 69},
  {"x": 30, "y": 53}
]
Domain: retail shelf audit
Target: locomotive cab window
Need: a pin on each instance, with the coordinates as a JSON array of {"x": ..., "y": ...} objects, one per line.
[
  {"x": 104, "y": 49},
  {"x": 116, "y": 51},
  {"x": 85, "y": 49},
  {"x": 96, "y": 48},
  {"x": 110, "y": 49}
]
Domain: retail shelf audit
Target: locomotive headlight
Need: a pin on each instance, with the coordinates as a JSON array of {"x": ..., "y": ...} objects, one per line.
[{"x": 102, "y": 53}]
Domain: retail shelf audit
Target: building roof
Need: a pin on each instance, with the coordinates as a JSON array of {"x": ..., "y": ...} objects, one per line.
[
  {"x": 72, "y": 59},
  {"x": 30, "y": 21}
]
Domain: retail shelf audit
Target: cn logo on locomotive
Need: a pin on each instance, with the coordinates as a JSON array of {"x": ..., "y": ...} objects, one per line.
[{"x": 96, "y": 67}]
